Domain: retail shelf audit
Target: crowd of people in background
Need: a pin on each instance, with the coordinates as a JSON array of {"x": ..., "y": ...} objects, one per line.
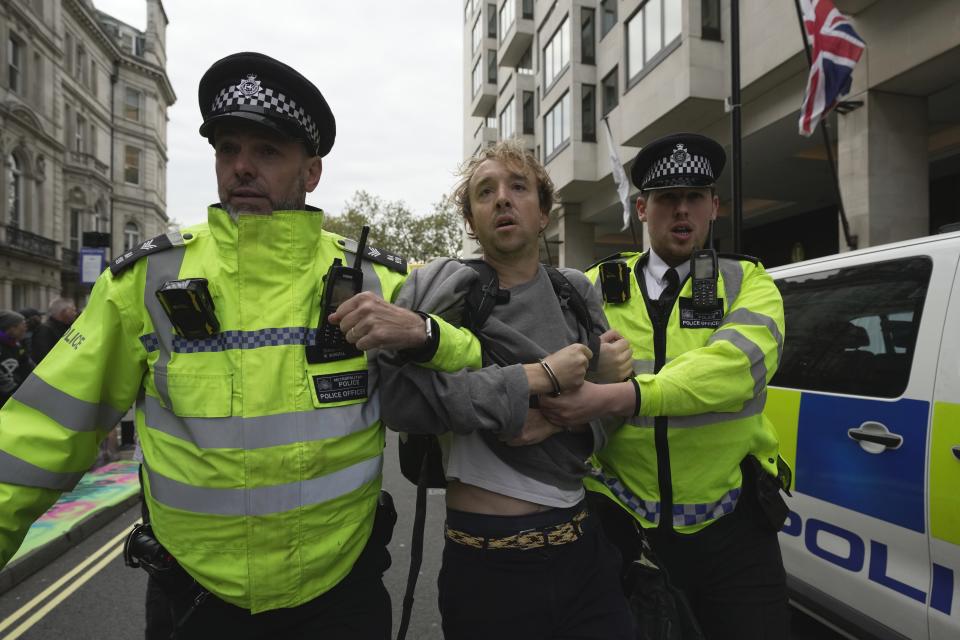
[{"x": 26, "y": 338}]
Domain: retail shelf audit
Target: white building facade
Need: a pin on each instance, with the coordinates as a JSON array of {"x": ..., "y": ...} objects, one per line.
[
  {"x": 83, "y": 116},
  {"x": 549, "y": 71}
]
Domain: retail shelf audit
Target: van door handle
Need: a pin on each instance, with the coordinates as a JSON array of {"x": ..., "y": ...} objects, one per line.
[
  {"x": 956, "y": 452},
  {"x": 874, "y": 437}
]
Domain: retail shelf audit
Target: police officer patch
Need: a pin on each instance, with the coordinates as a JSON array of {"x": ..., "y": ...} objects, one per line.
[
  {"x": 249, "y": 86},
  {"x": 680, "y": 154},
  {"x": 338, "y": 387},
  {"x": 692, "y": 317}
]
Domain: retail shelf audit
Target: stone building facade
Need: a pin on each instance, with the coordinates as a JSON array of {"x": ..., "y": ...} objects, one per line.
[{"x": 83, "y": 117}]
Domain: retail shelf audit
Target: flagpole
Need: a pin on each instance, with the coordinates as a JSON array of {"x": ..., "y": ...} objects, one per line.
[
  {"x": 737, "y": 177},
  {"x": 850, "y": 239}
]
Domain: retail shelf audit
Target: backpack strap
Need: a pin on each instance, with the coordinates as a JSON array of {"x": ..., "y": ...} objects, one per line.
[
  {"x": 571, "y": 299},
  {"x": 484, "y": 294}
]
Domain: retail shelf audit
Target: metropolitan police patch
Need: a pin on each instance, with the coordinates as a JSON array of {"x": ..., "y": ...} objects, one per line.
[{"x": 249, "y": 86}]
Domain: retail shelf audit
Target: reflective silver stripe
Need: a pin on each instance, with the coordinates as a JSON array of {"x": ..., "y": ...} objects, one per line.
[
  {"x": 732, "y": 272},
  {"x": 13, "y": 470},
  {"x": 161, "y": 267},
  {"x": 64, "y": 409},
  {"x": 643, "y": 366},
  {"x": 371, "y": 281},
  {"x": 751, "y": 408},
  {"x": 261, "y": 501},
  {"x": 745, "y": 316},
  {"x": 758, "y": 368},
  {"x": 263, "y": 431},
  {"x": 683, "y": 514}
]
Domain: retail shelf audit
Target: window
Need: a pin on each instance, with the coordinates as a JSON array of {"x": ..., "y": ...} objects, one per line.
[
  {"x": 528, "y": 116},
  {"x": 131, "y": 104},
  {"x": 80, "y": 71},
  {"x": 526, "y": 9},
  {"x": 76, "y": 215},
  {"x": 710, "y": 19},
  {"x": 92, "y": 140},
  {"x": 37, "y": 73},
  {"x": 611, "y": 93},
  {"x": 492, "y": 66},
  {"x": 131, "y": 236},
  {"x": 491, "y": 21},
  {"x": 588, "y": 113},
  {"x": 490, "y": 120},
  {"x": 655, "y": 25},
  {"x": 15, "y": 64},
  {"x": 556, "y": 127},
  {"x": 525, "y": 66},
  {"x": 608, "y": 18},
  {"x": 131, "y": 165},
  {"x": 93, "y": 77},
  {"x": 556, "y": 55},
  {"x": 100, "y": 218},
  {"x": 588, "y": 47},
  {"x": 476, "y": 36},
  {"x": 508, "y": 128},
  {"x": 853, "y": 330},
  {"x": 79, "y": 131},
  {"x": 14, "y": 191},
  {"x": 476, "y": 80},
  {"x": 508, "y": 14}
]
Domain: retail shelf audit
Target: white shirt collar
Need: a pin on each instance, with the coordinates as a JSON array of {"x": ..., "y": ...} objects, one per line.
[{"x": 656, "y": 269}]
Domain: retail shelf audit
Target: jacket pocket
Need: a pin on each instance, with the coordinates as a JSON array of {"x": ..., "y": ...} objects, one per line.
[{"x": 194, "y": 395}]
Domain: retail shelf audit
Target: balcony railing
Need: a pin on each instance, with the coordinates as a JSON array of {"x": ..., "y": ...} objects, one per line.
[{"x": 31, "y": 242}]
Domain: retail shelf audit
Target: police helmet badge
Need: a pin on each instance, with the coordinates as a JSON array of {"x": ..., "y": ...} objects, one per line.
[
  {"x": 680, "y": 154},
  {"x": 249, "y": 86}
]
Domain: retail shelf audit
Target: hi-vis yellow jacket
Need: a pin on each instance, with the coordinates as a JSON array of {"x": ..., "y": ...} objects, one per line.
[
  {"x": 702, "y": 394},
  {"x": 261, "y": 471}
]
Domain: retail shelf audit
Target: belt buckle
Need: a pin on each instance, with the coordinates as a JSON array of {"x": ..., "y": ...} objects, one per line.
[{"x": 525, "y": 532}]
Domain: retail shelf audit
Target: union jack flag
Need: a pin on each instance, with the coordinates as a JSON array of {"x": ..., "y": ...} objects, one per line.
[{"x": 835, "y": 50}]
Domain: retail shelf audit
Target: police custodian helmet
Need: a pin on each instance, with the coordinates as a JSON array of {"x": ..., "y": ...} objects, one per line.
[
  {"x": 257, "y": 88},
  {"x": 678, "y": 160}
]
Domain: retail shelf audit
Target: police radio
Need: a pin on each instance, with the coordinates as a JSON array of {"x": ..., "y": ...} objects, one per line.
[
  {"x": 703, "y": 272},
  {"x": 339, "y": 285}
]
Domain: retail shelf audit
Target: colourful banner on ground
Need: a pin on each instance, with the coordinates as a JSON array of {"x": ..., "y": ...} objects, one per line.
[{"x": 97, "y": 490}]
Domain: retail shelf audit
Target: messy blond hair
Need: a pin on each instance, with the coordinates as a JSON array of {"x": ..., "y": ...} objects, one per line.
[{"x": 517, "y": 158}]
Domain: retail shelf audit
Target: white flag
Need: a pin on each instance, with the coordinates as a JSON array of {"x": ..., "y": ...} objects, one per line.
[{"x": 619, "y": 177}]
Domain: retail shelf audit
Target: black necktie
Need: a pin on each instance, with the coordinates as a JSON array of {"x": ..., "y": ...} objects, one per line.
[{"x": 669, "y": 292}]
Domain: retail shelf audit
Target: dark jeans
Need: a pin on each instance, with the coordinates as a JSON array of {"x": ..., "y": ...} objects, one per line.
[
  {"x": 568, "y": 592},
  {"x": 731, "y": 572},
  {"x": 358, "y": 608}
]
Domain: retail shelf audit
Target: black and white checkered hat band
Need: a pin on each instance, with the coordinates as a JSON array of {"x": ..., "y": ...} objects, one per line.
[
  {"x": 667, "y": 166},
  {"x": 270, "y": 100}
]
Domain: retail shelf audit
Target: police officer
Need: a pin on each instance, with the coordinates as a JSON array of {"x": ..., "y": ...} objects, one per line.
[
  {"x": 261, "y": 467},
  {"x": 695, "y": 444}
]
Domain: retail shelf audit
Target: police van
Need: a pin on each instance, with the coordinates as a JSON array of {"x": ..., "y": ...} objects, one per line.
[{"x": 867, "y": 405}]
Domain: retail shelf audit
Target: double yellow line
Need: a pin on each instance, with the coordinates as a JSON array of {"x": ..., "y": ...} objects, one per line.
[{"x": 83, "y": 572}]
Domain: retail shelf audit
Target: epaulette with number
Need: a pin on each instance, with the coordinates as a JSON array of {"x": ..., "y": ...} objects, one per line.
[
  {"x": 390, "y": 260},
  {"x": 739, "y": 256},
  {"x": 154, "y": 245},
  {"x": 621, "y": 255}
]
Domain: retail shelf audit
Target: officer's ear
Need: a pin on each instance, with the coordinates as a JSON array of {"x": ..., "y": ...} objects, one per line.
[
  {"x": 314, "y": 169},
  {"x": 716, "y": 203},
  {"x": 642, "y": 207}
]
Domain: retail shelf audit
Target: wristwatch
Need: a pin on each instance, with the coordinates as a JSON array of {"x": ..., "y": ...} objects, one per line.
[{"x": 428, "y": 321}]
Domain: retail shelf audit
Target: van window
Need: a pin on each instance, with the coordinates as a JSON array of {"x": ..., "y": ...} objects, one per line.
[{"x": 853, "y": 330}]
